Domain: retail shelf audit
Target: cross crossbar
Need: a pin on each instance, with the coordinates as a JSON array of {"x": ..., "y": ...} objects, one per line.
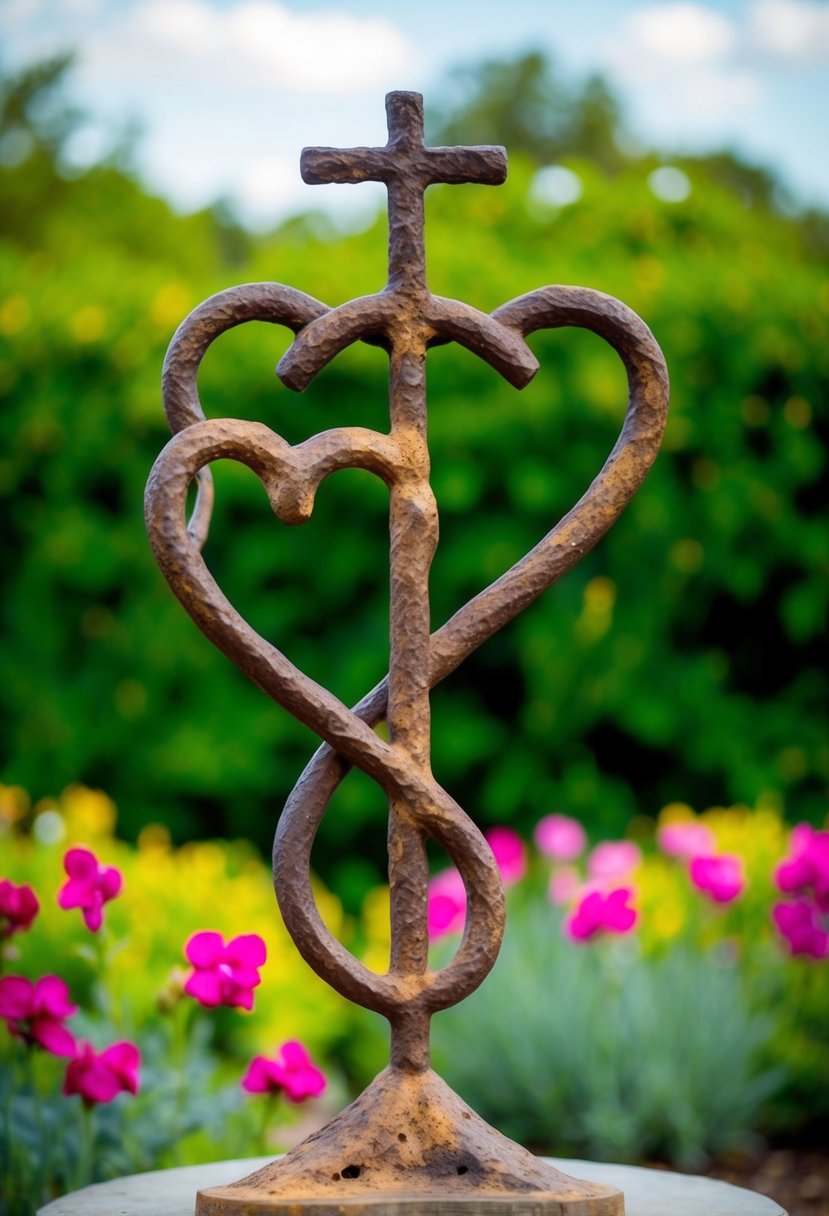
[{"x": 407, "y": 167}]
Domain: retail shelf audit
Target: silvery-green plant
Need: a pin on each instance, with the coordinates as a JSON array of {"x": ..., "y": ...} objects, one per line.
[{"x": 593, "y": 1049}]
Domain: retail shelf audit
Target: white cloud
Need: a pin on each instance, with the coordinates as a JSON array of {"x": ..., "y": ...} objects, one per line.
[
  {"x": 37, "y": 29},
  {"x": 78, "y": 8},
  {"x": 269, "y": 186},
  {"x": 19, "y": 13},
  {"x": 261, "y": 43},
  {"x": 680, "y": 33},
  {"x": 794, "y": 32},
  {"x": 684, "y": 61},
  {"x": 708, "y": 92}
]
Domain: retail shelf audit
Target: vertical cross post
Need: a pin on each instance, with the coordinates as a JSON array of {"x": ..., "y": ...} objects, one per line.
[{"x": 407, "y": 167}]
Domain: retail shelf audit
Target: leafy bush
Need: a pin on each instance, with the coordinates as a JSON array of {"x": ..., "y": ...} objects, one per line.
[{"x": 679, "y": 655}]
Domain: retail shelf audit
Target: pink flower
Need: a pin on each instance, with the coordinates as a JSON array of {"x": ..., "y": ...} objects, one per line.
[
  {"x": 807, "y": 868},
  {"x": 90, "y": 886},
  {"x": 602, "y": 912},
  {"x": 802, "y": 925},
  {"x": 686, "y": 839},
  {"x": 36, "y": 1012},
  {"x": 560, "y": 837},
  {"x": 719, "y": 877},
  {"x": 613, "y": 859},
  {"x": 446, "y": 907},
  {"x": 291, "y": 1072},
  {"x": 18, "y": 907},
  {"x": 564, "y": 884},
  {"x": 224, "y": 974},
  {"x": 100, "y": 1078},
  {"x": 510, "y": 853}
]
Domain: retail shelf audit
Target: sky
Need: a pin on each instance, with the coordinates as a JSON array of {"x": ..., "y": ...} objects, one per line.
[{"x": 227, "y": 92}]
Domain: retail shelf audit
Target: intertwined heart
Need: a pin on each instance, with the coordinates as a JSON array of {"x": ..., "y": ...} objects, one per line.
[{"x": 291, "y": 476}]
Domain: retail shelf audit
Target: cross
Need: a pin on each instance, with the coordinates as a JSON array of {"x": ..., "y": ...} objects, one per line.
[{"x": 407, "y": 167}]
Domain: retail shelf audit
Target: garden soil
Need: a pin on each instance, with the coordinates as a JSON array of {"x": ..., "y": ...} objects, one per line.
[{"x": 797, "y": 1180}]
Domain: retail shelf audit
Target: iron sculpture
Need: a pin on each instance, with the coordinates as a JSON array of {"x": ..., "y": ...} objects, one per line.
[{"x": 408, "y": 1141}]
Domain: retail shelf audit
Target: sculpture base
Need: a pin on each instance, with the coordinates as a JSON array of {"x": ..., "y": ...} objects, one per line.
[{"x": 408, "y": 1142}]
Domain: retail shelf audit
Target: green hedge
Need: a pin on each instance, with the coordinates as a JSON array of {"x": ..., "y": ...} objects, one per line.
[{"x": 677, "y": 659}]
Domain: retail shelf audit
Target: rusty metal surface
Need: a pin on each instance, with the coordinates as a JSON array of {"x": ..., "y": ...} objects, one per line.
[{"x": 408, "y": 1134}]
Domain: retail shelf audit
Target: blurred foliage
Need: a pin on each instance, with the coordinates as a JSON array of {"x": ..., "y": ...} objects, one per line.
[
  {"x": 525, "y": 105},
  {"x": 531, "y": 108},
  {"x": 681, "y": 655}
]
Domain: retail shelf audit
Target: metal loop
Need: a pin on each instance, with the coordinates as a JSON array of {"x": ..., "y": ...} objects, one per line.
[
  {"x": 179, "y": 378},
  {"x": 574, "y": 535},
  {"x": 177, "y": 552}
]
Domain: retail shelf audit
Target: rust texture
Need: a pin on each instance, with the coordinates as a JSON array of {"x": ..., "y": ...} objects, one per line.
[{"x": 407, "y": 1140}]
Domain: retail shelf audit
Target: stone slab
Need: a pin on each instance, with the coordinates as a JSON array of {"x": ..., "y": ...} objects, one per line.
[{"x": 647, "y": 1192}]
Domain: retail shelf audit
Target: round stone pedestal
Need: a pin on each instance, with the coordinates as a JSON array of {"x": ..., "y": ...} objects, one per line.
[{"x": 647, "y": 1192}]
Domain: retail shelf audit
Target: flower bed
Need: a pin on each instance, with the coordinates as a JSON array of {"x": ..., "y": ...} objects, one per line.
[
  {"x": 663, "y": 996},
  {"x": 131, "y": 1040},
  {"x": 660, "y": 997}
]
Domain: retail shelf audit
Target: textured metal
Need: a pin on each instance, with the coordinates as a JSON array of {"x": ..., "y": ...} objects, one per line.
[{"x": 407, "y": 1139}]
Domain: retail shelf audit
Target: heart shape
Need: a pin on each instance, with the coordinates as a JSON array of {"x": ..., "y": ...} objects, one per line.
[
  {"x": 291, "y": 476},
  {"x": 574, "y": 535}
]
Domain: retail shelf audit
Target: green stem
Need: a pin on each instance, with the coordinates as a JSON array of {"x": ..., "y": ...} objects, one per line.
[
  {"x": 100, "y": 989},
  {"x": 180, "y": 1039},
  {"x": 8, "y": 1133},
  {"x": 268, "y": 1109},
  {"x": 83, "y": 1174},
  {"x": 43, "y": 1154}
]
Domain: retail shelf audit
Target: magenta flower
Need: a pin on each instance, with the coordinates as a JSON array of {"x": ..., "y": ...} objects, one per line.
[
  {"x": 564, "y": 884},
  {"x": 803, "y": 927},
  {"x": 806, "y": 870},
  {"x": 602, "y": 912},
  {"x": 101, "y": 1077},
  {"x": 446, "y": 907},
  {"x": 224, "y": 974},
  {"x": 686, "y": 839},
  {"x": 510, "y": 853},
  {"x": 36, "y": 1012},
  {"x": 90, "y": 886},
  {"x": 18, "y": 907},
  {"x": 292, "y": 1073},
  {"x": 613, "y": 859},
  {"x": 560, "y": 837},
  {"x": 719, "y": 877}
]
